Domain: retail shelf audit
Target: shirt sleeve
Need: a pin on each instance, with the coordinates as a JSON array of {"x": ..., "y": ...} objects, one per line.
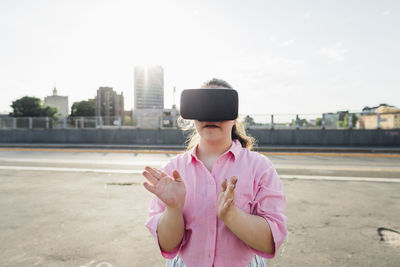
[
  {"x": 270, "y": 203},
  {"x": 156, "y": 209}
]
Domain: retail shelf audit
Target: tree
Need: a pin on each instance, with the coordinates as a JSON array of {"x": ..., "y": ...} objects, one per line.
[
  {"x": 83, "y": 108},
  {"x": 249, "y": 120},
  {"x": 302, "y": 122},
  {"x": 28, "y": 106},
  {"x": 345, "y": 122},
  {"x": 318, "y": 122},
  {"x": 127, "y": 120}
]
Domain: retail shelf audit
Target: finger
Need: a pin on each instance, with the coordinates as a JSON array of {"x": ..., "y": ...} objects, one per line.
[
  {"x": 149, "y": 188},
  {"x": 228, "y": 203},
  {"x": 153, "y": 172},
  {"x": 150, "y": 177},
  {"x": 231, "y": 188},
  {"x": 230, "y": 191},
  {"x": 177, "y": 176},
  {"x": 233, "y": 180},
  {"x": 159, "y": 172},
  {"x": 231, "y": 185},
  {"x": 224, "y": 184},
  {"x": 236, "y": 180},
  {"x": 163, "y": 174}
]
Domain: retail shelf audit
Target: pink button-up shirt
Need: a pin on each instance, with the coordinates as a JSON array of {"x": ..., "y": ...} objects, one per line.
[{"x": 207, "y": 240}]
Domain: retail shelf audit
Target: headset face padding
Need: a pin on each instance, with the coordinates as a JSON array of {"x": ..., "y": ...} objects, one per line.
[{"x": 208, "y": 104}]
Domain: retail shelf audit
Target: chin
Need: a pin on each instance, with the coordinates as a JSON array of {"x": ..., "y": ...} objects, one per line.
[{"x": 212, "y": 138}]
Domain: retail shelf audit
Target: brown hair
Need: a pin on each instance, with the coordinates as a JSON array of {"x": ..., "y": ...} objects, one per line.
[{"x": 238, "y": 130}]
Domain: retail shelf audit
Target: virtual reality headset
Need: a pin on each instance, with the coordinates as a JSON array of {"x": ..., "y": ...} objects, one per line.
[{"x": 209, "y": 104}]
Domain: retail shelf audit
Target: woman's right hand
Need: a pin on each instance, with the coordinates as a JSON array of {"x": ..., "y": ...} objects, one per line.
[{"x": 170, "y": 190}]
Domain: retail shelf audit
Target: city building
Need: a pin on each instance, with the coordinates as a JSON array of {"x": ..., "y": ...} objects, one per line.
[
  {"x": 109, "y": 103},
  {"x": 149, "y": 87},
  {"x": 155, "y": 118},
  {"x": 149, "y": 112},
  {"x": 331, "y": 120},
  {"x": 340, "y": 120},
  {"x": 381, "y": 117},
  {"x": 58, "y": 101}
]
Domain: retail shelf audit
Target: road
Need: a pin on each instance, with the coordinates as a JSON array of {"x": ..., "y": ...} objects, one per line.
[{"x": 82, "y": 208}]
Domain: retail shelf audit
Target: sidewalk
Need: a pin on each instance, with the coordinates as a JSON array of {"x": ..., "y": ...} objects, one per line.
[{"x": 98, "y": 219}]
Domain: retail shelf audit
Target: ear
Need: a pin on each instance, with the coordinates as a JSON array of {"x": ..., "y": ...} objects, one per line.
[{"x": 233, "y": 124}]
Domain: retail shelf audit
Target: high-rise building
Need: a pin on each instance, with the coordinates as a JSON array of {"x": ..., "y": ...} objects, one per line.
[
  {"x": 149, "y": 87},
  {"x": 58, "y": 101},
  {"x": 109, "y": 103}
]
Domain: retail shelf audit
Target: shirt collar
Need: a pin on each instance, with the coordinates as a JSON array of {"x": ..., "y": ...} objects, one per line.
[{"x": 234, "y": 150}]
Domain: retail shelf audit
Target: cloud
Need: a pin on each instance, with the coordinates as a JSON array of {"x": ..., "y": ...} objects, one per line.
[
  {"x": 287, "y": 43},
  {"x": 307, "y": 15},
  {"x": 385, "y": 12},
  {"x": 334, "y": 52}
]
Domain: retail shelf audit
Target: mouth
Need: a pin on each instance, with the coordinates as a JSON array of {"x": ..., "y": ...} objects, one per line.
[{"x": 211, "y": 126}]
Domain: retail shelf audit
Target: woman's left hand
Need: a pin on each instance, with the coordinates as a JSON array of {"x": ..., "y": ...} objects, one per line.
[{"x": 226, "y": 199}]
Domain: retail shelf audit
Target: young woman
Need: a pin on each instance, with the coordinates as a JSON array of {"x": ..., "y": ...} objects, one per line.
[{"x": 219, "y": 203}]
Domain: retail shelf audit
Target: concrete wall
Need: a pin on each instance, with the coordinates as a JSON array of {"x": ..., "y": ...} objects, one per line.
[
  {"x": 389, "y": 138},
  {"x": 327, "y": 137},
  {"x": 92, "y": 136}
]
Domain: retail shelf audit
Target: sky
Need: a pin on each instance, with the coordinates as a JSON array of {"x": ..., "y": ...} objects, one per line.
[{"x": 283, "y": 57}]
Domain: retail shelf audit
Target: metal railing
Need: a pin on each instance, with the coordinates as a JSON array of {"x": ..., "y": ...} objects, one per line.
[
  {"x": 301, "y": 121},
  {"x": 251, "y": 121}
]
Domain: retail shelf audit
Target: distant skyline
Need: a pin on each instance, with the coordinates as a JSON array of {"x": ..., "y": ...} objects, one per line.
[{"x": 281, "y": 56}]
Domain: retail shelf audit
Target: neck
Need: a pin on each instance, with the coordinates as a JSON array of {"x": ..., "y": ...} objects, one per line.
[{"x": 213, "y": 149}]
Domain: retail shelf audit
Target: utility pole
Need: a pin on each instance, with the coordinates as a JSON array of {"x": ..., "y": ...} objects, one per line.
[{"x": 173, "y": 103}]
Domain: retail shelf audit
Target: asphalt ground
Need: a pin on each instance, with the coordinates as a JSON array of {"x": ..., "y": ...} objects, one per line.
[{"x": 76, "y": 208}]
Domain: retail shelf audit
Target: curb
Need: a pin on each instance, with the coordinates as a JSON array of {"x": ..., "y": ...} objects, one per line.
[{"x": 174, "y": 149}]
